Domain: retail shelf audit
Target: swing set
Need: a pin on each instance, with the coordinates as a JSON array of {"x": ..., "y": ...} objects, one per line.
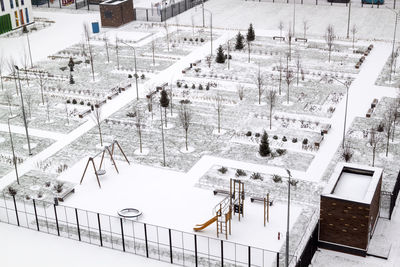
[{"x": 99, "y": 171}]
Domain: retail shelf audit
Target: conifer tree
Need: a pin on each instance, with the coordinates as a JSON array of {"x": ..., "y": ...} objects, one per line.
[
  {"x": 220, "y": 55},
  {"x": 264, "y": 149},
  {"x": 239, "y": 41},
  {"x": 164, "y": 102},
  {"x": 251, "y": 36}
]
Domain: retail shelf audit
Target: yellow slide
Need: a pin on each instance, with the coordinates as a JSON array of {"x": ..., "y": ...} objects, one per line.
[{"x": 200, "y": 227}]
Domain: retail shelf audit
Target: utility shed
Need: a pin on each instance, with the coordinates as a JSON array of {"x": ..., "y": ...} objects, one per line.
[
  {"x": 115, "y": 13},
  {"x": 349, "y": 208}
]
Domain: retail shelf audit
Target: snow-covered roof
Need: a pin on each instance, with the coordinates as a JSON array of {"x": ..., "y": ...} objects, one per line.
[{"x": 353, "y": 182}]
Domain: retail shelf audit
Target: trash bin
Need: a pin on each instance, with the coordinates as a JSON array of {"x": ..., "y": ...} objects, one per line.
[{"x": 95, "y": 27}]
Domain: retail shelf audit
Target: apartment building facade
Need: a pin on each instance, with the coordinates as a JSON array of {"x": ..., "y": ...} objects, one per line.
[{"x": 14, "y": 14}]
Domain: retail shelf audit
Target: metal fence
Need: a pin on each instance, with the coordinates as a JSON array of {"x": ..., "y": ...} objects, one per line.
[
  {"x": 354, "y": 3},
  {"x": 68, "y": 4},
  {"x": 151, "y": 241},
  {"x": 161, "y": 14}
]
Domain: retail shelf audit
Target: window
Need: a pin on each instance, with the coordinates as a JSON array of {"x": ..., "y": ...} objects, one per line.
[
  {"x": 17, "y": 3},
  {"x": 11, "y": 4},
  {"x": 26, "y": 15},
  {"x": 16, "y": 18},
  {"x": 22, "y": 2},
  {"x": 2, "y": 5}
]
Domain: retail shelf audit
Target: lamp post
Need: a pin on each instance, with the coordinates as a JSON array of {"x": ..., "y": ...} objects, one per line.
[
  {"x": 347, "y": 85},
  {"x": 348, "y": 21},
  {"x": 394, "y": 41},
  {"x": 136, "y": 75},
  {"x": 29, "y": 48},
  {"x": 202, "y": 5},
  {"x": 12, "y": 146},
  {"x": 288, "y": 221},
  {"x": 294, "y": 16},
  {"x": 23, "y": 111},
  {"x": 211, "y": 37}
]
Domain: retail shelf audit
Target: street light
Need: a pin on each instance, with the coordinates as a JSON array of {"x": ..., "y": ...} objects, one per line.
[
  {"x": 29, "y": 48},
  {"x": 12, "y": 146},
  {"x": 294, "y": 16},
  {"x": 23, "y": 111},
  {"x": 348, "y": 21},
  {"x": 288, "y": 220},
  {"x": 202, "y": 5},
  {"x": 136, "y": 75},
  {"x": 394, "y": 40},
  {"x": 347, "y": 85}
]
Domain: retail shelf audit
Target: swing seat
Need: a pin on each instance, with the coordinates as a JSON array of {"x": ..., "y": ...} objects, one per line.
[{"x": 101, "y": 172}]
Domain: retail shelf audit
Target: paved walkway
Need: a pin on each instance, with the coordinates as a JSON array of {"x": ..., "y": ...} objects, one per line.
[{"x": 32, "y": 132}]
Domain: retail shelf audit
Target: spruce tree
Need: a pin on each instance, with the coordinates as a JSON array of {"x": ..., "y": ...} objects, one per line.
[
  {"x": 164, "y": 102},
  {"x": 239, "y": 41},
  {"x": 264, "y": 149},
  {"x": 220, "y": 55},
  {"x": 251, "y": 36}
]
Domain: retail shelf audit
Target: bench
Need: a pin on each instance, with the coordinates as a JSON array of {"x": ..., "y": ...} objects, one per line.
[
  {"x": 366, "y": 53},
  {"x": 325, "y": 128},
  {"x": 62, "y": 198},
  {"x": 220, "y": 191},
  {"x": 99, "y": 104},
  {"x": 374, "y": 102},
  {"x": 317, "y": 143},
  {"x": 84, "y": 113},
  {"x": 112, "y": 95},
  {"x": 362, "y": 59},
  {"x": 261, "y": 199},
  {"x": 370, "y": 47},
  {"x": 358, "y": 65},
  {"x": 369, "y": 113},
  {"x": 299, "y": 39},
  {"x": 196, "y": 62},
  {"x": 185, "y": 70},
  {"x": 279, "y": 38}
]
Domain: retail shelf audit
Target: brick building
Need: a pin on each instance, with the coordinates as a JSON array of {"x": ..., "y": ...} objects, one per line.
[
  {"x": 115, "y": 13},
  {"x": 349, "y": 208}
]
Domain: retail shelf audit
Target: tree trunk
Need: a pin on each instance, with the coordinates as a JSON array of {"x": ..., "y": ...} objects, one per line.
[
  {"x": 165, "y": 116},
  {"x": 41, "y": 92},
  {"x": 288, "y": 92},
  {"x": 387, "y": 143},
  {"x": 101, "y": 136},
  {"x": 270, "y": 116},
  {"x": 186, "y": 139},
  {"x": 329, "y": 57},
  {"x": 140, "y": 139},
  {"x": 373, "y": 157},
  {"x": 91, "y": 64},
  {"x": 219, "y": 121},
  {"x": 248, "y": 44}
]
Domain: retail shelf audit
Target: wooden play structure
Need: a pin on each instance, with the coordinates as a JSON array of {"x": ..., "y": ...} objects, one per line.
[
  {"x": 223, "y": 210},
  {"x": 99, "y": 171},
  {"x": 267, "y": 202}
]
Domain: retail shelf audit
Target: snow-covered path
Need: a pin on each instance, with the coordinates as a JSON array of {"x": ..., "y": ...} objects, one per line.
[
  {"x": 361, "y": 93},
  {"x": 32, "y": 132}
]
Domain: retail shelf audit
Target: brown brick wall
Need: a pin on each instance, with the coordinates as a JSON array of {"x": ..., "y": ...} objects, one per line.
[
  {"x": 120, "y": 14},
  {"x": 374, "y": 209},
  {"x": 344, "y": 222}
]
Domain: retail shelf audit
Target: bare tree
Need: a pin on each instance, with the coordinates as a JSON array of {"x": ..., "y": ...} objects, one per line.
[
  {"x": 396, "y": 114},
  {"x": 96, "y": 116},
  {"x": 298, "y": 67},
  {"x": 11, "y": 68},
  {"x": 185, "y": 116},
  {"x": 106, "y": 45},
  {"x": 240, "y": 91},
  {"x": 305, "y": 28},
  {"x": 219, "y": 108},
  {"x": 209, "y": 61},
  {"x": 139, "y": 125},
  {"x": 288, "y": 78},
  {"x": 149, "y": 98},
  {"x": 117, "y": 50},
  {"x": 25, "y": 63},
  {"x": 271, "y": 100},
  {"x": 289, "y": 39},
  {"x": 41, "y": 80},
  {"x": 2, "y": 61},
  {"x": 167, "y": 34},
  {"x": 375, "y": 140},
  {"x": 280, "y": 27},
  {"x": 280, "y": 74},
  {"x": 153, "y": 48},
  {"x": 347, "y": 152},
  {"x": 354, "y": 30},
  {"x": 330, "y": 39},
  {"x": 30, "y": 99},
  {"x": 47, "y": 103},
  {"x": 8, "y": 98},
  {"x": 90, "y": 49},
  {"x": 389, "y": 120},
  {"x": 259, "y": 81},
  {"x": 67, "y": 113}
]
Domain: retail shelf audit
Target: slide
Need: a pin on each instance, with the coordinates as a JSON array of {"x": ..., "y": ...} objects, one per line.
[{"x": 200, "y": 227}]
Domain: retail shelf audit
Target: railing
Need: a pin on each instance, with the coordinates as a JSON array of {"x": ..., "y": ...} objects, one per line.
[{"x": 151, "y": 241}]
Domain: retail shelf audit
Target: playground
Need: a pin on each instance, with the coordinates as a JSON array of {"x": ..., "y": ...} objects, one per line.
[{"x": 171, "y": 199}]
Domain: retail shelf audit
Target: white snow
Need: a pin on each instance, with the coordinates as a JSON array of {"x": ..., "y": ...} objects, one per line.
[{"x": 352, "y": 186}]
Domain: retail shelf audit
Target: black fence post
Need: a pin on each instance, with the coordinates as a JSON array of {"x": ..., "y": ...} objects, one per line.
[
  {"x": 101, "y": 238},
  {"x": 16, "y": 211},
  {"x": 122, "y": 234},
  {"x": 77, "y": 225},
  {"x": 88, "y": 4},
  {"x": 147, "y": 15},
  {"x": 249, "y": 256},
  {"x": 55, "y": 214},
  {"x": 277, "y": 259},
  {"x": 59, "y": 2},
  {"x": 222, "y": 253},
  {"x": 195, "y": 250},
  {"x": 145, "y": 239},
  {"x": 34, "y": 208},
  {"x": 170, "y": 246},
  {"x": 48, "y": 3},
  {"x": 76, "y": 5}
]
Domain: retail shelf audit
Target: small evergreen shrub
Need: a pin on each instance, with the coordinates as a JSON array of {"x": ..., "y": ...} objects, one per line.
[
  {"x": 240, "y": 172},
  {"x": 256, "y": 176},
  {"x": 223, "y": 170},
  {"x": 276, "y": 178}
]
